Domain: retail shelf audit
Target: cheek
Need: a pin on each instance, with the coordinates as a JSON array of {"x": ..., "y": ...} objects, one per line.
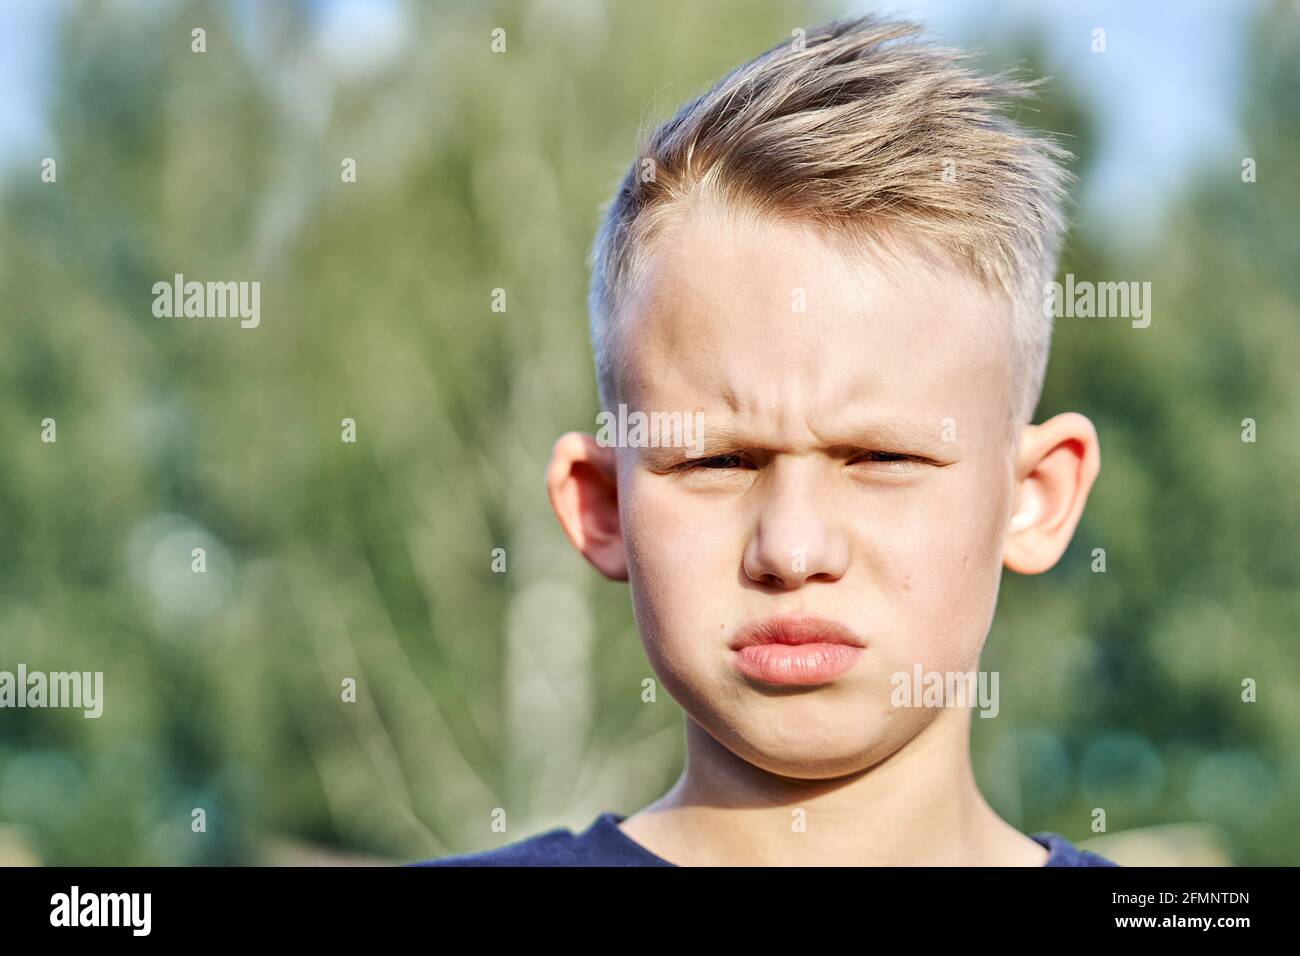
[
  {"x": 663, "y": 537},
  {"x": 940, "y": 559},
  {"x": 680, "y": 561}
]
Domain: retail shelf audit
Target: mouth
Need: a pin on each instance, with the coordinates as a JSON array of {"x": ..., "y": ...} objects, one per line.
[{"x": 795, "y": 651}]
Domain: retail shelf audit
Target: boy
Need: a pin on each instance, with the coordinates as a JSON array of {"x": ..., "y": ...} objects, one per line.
[{"x": 834, "y": 261}]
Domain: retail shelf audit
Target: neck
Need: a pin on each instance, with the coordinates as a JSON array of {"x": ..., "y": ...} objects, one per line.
[{"x": 920, "y": 806}]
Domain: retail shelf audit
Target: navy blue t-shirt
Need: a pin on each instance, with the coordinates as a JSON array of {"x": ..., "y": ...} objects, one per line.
[{"x": 604, "y": 844}]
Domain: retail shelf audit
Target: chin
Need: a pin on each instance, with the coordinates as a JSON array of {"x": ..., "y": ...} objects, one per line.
[
  {"x": 827, "y": 745},
  {"x": 813, "y": 763}
]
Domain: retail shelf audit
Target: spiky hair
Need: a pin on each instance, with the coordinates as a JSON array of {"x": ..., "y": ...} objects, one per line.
[{"x": 868, "y": 128}]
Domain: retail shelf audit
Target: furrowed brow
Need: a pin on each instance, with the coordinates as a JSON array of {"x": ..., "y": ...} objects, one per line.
[
  {"x": 713, "y": 442},
  {"x": 888, "y": 435},
  {"x": 880, "y": 435}
]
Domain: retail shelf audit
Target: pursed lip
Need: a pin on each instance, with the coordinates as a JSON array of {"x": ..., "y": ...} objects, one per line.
[{"x": 794, "y": 631}]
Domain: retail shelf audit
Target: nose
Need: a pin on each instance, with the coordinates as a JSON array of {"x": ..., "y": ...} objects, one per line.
[{"x": 798, "y": 536}]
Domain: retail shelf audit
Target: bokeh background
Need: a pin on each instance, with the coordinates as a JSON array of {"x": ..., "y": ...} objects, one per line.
[{"x": 522, "y": 690}]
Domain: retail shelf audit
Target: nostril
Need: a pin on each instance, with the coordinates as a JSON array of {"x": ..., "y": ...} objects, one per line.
[{"x": 823, "y": 576}]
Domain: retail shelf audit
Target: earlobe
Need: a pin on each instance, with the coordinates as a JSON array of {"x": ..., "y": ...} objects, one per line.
[
  {"x": 1056, "y": 466},
  {"x": 582, "y": 482}
]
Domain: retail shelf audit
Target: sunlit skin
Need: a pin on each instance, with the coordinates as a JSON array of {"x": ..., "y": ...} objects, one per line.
[{"x": 858, "y": 466}]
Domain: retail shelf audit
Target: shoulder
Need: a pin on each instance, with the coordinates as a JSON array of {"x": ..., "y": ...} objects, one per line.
[{"x": 1061, "y": 852}]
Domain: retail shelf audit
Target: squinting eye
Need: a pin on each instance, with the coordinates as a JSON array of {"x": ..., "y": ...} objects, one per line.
[
  {"x": 893, "y": 460},
  {"x": 733, "y": 460}
]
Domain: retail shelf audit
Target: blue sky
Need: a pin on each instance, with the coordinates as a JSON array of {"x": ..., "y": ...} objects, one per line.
[{"x": 1164, "y": 88}]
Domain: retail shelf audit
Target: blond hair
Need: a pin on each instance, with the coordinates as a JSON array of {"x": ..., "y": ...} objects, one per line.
[{"x": 866, "y": 128}]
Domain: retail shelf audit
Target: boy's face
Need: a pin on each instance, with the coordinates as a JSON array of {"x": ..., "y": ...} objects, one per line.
[{"x": 857, "y": 467}]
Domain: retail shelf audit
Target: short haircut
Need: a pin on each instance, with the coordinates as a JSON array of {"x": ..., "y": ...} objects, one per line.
[{"x": 867, "y": 128}]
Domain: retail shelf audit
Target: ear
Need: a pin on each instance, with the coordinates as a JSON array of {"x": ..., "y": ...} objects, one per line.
[
  {"x": 582, "y": 482},
  {"x": 1055, "y": 467}
]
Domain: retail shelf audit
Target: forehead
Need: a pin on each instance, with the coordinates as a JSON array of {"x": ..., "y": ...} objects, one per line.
[{"x": 789, "y": 331}]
